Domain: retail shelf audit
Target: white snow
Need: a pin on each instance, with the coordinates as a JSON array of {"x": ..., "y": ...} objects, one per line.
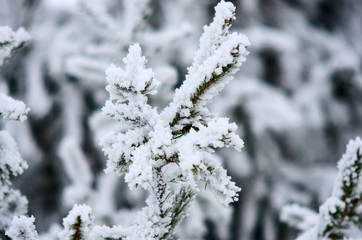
[
  {"x": 10, "y": 158},
  {"x": 154, "y": 148},
  {"x": 22, "y": 228},
  {"x": 79, "y": 219},
  {"x": 12, "y": 109},
  {"x": 10, "y": 40}
]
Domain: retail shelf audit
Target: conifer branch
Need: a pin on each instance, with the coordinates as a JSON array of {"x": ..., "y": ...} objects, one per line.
[
  {"x": 183, "y": 135},
  {"x": 11, "y": 41},
  {"x": 350, "y": 179},
  {"x": 338, "y": 213},
  {"x": 180, "y": 204},
  {"x": 12, "y": 203},
  {"x": 78, "y": 224}
]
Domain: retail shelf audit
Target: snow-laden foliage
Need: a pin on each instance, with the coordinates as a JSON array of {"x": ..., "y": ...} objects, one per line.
[
  {"x": 169, "y": 154},
  {"x": 11, "y": 41},
  {"x": 182, "y": 137},
  {"x": 296, "y": 101},
  {"x": 12, "y": 109},
  {"x": 64, "y": 83},
  {"x": 89, "y": 59},
  {"x": 11, "y": 160},
  {"x": 77, "y": 224},
  {"x": 340, "y": 215},
  {"x": 22, "y": 228},
  {"x": 12, "y": 203}
]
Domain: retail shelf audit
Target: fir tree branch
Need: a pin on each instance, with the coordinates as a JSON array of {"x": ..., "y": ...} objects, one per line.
[
  {"x": 181, "y": 202},
  {"x": 338, "y": 213},
  {"x": 183, "y": 135},
  {"x": 350, "y": 198},
  {"x": 207, "y": 83},
  {"x": 77, "y": 225}
]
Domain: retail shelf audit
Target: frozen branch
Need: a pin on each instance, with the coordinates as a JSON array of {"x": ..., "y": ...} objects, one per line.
[{"x": 340, "y": 213}]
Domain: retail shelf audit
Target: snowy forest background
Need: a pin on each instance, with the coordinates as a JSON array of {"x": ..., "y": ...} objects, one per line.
[{"x": 297, "y": 101}]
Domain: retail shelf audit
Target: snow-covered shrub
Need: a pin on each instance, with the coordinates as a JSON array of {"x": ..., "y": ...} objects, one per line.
[{"x": 340, "y": 216}]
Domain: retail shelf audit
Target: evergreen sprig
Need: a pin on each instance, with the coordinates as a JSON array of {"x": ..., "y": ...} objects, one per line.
[
  {"x": 351, "y": 200},
  {"x": 180, "y": 204},
  {"x": 339, "y": 213}
]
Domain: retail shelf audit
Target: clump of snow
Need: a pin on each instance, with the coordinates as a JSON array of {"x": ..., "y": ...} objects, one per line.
[
  {"x": 129, "y": 89},
  {"x": 22, "y": 228},
  {"x": 348, "y": 174},
  {"x": 12, "y": 109},
  {"x": 10, "y": 40},
  {"x": 12, "y": 203},
  {"x": 78, "y": 222},
  {"x": 10, "y": 158},
  {"x": 104, "y": 232}
]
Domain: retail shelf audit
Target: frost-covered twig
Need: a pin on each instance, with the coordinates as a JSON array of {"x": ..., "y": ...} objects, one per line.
[{"x": 340, "y": 215}]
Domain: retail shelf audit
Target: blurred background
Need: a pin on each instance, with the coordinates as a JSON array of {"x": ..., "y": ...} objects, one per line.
[{"x": 297, "y": 101}]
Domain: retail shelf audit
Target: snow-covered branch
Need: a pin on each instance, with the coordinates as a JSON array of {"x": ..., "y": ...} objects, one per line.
[
  {"x": 22, "y": 228},
  {"x": 339, "y": 216},
  {"x": 182, "y": 137},
  {"x": 12, "y": 109},
  {"x": 78, "y": 223},
  {"x": 11, "y": 41},
  {"x": 12, "y": 203}
]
